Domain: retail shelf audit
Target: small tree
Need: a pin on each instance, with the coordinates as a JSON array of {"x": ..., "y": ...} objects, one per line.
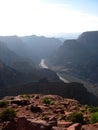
[
  {"x": 94, "y": 118},
  {"x": 8, "y": 115},
  {"x": 48, "y": 101},
  {"x": 75, "y": 117},
  {"x": 4, "y": 103}
]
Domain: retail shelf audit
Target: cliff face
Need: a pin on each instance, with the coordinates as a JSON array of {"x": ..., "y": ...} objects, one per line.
[
  {"x": 44, "y": 112},
  {"x": 79, "y": 57}
]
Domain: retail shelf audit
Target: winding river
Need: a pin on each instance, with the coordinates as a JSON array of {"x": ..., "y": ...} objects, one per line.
[{"x": 43, "y": 65}]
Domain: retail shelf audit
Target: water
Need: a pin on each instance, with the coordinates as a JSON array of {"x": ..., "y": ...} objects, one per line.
[{"x": 43, "y": 65}]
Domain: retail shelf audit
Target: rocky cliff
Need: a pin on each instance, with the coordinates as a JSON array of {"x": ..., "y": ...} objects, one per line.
[
  {"x": 44, "y": 112},
  {"x": 79, "y": 57}
]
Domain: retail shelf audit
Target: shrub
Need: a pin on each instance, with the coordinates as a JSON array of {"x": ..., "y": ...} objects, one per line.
[
  {"x": 93, "y": 109},
  {"x": 47, "y": 100},
  {"x": 94, "y": 118},
  {"x": 8, "y": 115},
  {"x": 75, "y": 117},
  {"x": 25, "y": 96},
  {"x": 4, "y": 103}
]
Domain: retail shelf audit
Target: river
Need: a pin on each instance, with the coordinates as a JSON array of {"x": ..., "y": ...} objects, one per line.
[
  {"x": 87, "y": 85},
  {"x": 43, "y": 65}
]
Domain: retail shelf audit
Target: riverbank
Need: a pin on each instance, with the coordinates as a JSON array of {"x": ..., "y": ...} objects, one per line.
[
  {"x": 90, "y": 87},
  {"x": 43, "y": 65},
  {"x": 67, "y": 78}
]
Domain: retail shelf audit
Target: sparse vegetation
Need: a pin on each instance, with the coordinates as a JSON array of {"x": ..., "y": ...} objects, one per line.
[
  {"x": 4, "y": 103},
  {"x": 93, "y": 109},
  {"x": 94, "y": 118},
  {"x": 26, "y": 96},
  {"x": 8, "y": 115},
  {"x": 85, "y": 109},
  {"x": 48, "y": 101},
  {"x": 48, "y": 108},
  {"x": 75, "y": 117}
]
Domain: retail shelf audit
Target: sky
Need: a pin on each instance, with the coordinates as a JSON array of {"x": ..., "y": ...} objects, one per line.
[{"x": 46, "y": 17}]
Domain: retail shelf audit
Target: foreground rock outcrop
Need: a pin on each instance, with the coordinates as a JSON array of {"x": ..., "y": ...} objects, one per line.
[{"x": 44, "y": 112}]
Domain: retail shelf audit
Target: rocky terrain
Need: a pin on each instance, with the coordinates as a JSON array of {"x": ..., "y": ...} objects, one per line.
[{"x": 45, "y": 112}]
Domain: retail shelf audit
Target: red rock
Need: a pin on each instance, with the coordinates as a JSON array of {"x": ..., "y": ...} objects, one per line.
[
  {"x": 31, "y": 124},
  {"x": 53, "y": 122},
  {"x": 32, "y": 114},
  {"x": 9, "y": 126},
  {"x": 64, "y": 124},
  {"x": 61, "y": 111},
  {"x": 67, "y": 113},
  {"x": 52, "y": 117},
  {"x": 90, "y": 127},
  {"x": 1, "y": 126},
  {"x": 76, "y": 126},
  {"x": 35, "y": 109},
  {"x": 20, "y": 102},
  {"x": 58, "y": 128},
  {"x": 73, "y": 108}
]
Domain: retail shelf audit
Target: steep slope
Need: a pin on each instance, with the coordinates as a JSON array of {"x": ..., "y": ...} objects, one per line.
[
  {"x": 15, "y": 44},
  {"x": 7, "y": 55},
  {"x": 14, "y": 61},
  {"x": 40, "y": 46},
  {"x": 9, "y": 76},
  {"x": 79, "y": 57},
  {"x": 24, "y": 69},
  {"x": 31, "y": 47}
]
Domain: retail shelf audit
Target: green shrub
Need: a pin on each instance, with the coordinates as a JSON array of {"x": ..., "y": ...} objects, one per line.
[
  {"x": 4, "y": 103},
  {"x": 47, "y": 100},
  {"x": 75, "y": 117},
  {"x": 94, "y": 118},
  {"x": 8, "y": 115},
  {"x": 93, "y": 109},
  {"x": 25, "y": 96}
]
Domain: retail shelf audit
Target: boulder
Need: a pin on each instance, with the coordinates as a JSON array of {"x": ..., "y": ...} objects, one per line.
[
  {"x": 90, "y": 127},
  {"x": 35, "y": 109},
  {"x": 21, "y": 102},
  {"x": 76, "y": 126},
  {"x": 64, "y": 124},
  {"x": 58, "y": 128},
  {"x": 31, "y": 124},
  {"x": 9, "y": 126}
]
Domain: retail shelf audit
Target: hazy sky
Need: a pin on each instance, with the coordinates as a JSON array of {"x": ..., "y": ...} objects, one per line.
[{"x": 42, "y": 17}]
